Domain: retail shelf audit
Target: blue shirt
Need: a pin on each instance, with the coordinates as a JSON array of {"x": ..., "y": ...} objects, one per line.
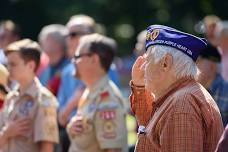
[
  {"x": 69, "y": 83},
  {"x": 3, "y": 59},
  {"x": 52, "y": 71},
  {"x": 219, "y": 91}
]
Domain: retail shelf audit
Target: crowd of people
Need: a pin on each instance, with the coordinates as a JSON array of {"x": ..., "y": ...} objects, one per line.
[{"x": 64, "y": 94}]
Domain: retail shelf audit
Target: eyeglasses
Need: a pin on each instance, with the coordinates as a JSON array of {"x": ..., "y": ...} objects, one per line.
[{"x": 76, "y": 57}]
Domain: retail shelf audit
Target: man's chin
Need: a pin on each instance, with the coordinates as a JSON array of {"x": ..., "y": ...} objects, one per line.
[{"x": 76, "y": 75}]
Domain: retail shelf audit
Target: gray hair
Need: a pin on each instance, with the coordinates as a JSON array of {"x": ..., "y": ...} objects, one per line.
[
  {"x": 140, "y": 44},
  {"x": 183, "y": 65},
  {"x": 84, "y": 23},
  {"x": 56, "y": 31},
  {"x": 221, "y": 28}
]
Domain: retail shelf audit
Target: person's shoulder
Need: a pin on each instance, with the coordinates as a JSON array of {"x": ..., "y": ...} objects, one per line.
[
  {"x": 193, "y": 98},
  {"x": 191, "y": 88},
  {"x": 68, "y": 69},
  {"x": 47, "y": 98},
  {"x": 106, "y": 96},
  {"x": 109, "y": 98},
  {"x": 114, "y": 89},
  {"x": 186, "y": 96}
]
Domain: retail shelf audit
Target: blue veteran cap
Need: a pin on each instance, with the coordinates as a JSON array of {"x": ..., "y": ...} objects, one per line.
[{"x": 164, "y": 35}]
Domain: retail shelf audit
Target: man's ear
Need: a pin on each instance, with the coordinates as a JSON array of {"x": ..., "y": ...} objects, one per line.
[
  {"x": 166, "y": 62},
  {"x": 96, "y": 58},
  {"x": 31, "y": 65}
]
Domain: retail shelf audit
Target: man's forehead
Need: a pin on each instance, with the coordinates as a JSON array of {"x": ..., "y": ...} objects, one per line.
[
  {"x": 78, "y": 28},
  {"x": 13, "y": 55}
]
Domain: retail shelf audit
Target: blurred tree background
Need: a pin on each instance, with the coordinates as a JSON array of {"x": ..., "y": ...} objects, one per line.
[{"x": 122, "y": 19}]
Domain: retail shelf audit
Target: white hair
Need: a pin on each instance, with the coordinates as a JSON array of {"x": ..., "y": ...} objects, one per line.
[
  {"x": 84, "y": 23},
  {"x": 56, "y": 31},
  {"x": 183, "y": 65}
]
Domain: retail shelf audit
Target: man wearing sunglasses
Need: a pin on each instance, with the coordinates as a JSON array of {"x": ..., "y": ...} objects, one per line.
[
  {"x": 99, "y": 124},
  {"x": 71, "y": 89}
]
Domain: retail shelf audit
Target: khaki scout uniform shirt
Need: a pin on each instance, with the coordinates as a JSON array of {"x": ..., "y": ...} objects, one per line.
[
  {"x": 103, "y": 112},
  {"x": 38, "y": 104},
  {"x": 184, "y": 119}
]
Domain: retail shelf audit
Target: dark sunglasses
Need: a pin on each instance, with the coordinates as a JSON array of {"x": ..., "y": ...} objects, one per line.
[
  {"x": 74, "y": 34},
  {"x": 76, "y": 57}
]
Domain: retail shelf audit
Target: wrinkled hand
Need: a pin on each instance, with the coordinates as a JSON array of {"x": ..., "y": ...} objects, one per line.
[
  {"x": 17, "y": 127},
  {"x": 137, "y": 72},
  {"x": 63, "y": 118},
  {"x": 77, "y": 125}
]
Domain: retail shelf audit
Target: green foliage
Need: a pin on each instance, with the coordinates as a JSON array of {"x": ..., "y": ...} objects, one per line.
[{"x": 123, "y": 19}]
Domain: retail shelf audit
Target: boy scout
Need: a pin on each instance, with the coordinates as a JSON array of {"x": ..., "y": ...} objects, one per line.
[
  {"x": 28, "y": 120},
  {"x": 99, "y": 125}
]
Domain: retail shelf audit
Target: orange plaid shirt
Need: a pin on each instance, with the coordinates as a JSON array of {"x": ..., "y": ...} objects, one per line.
[{"x": 184, "y": 119}]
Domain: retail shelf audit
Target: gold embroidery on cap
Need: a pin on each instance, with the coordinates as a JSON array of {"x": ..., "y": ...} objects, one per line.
[
  {"x": 148, "y": 36},
  {"x": 154, "y": 34}
]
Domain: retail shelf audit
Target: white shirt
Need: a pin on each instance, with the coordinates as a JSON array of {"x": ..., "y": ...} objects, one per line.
[{"x": 3, "y": 59}]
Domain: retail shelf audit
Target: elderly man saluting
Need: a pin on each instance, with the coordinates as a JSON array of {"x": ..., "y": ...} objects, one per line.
[{"x": 174, "y": 112}]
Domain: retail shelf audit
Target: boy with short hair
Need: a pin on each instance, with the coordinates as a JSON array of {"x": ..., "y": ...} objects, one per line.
[{"x": 28, "y": 121}]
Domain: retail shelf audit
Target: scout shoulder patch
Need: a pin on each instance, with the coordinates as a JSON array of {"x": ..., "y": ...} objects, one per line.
[
  {"x": 48, "y": 101},
  {"x": 49, "y": 112},
  {"x": 50, "y": 128},
  {"x": 109, "y": 130},
  {"x": 107, "y": 114},
  {"x": 48, "y": 106}
]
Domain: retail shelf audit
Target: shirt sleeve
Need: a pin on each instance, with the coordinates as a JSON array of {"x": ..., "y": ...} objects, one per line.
[
  {"x": 143, "y": 144},
  {"x": 182, "y": 133},
  {"x": 45, "y": 125},
  {"x": 110, "y": 127},
  {"x": 141, "y": 104}
]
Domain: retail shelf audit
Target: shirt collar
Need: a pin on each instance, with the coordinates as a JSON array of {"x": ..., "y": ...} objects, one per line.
[
  {"x": 180, "y": 83},
  {"x": 32, "y": 88},
  {"x": 99, "y": 85}
]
